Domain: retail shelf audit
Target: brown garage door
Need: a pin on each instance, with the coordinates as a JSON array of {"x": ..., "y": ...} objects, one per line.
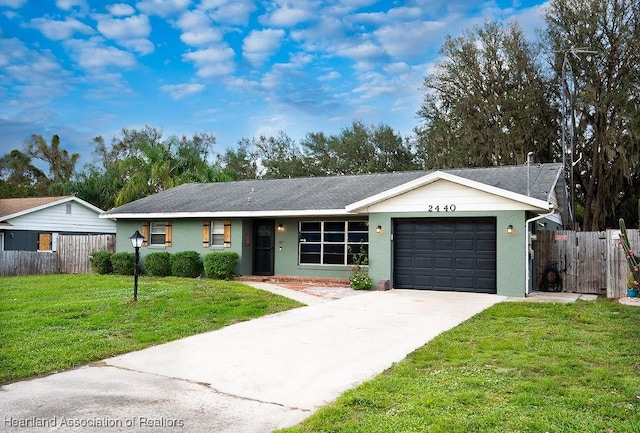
[{"x": 457, "y": 254}]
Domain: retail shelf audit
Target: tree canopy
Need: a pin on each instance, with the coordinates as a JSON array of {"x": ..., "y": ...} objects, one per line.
[{"x": 487, "y": 102}]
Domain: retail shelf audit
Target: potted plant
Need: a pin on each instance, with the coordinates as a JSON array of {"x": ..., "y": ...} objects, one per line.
[
  {"x": 632, "y": 260},
  {"x": 632, "y": 286}
]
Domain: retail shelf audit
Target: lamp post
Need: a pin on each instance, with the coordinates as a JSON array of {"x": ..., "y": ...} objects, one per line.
[{"x": 136, "y": 240}]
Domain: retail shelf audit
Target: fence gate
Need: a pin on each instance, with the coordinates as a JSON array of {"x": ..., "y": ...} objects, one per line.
[
  {"x": 587, "y": 262},
  {"x": 74, "y": 251}
]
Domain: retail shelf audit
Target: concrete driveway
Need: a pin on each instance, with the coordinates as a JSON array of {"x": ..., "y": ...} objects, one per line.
[{"x": 255, "y": 376}]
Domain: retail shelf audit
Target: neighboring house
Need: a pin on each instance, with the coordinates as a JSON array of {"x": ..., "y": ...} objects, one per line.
[
  {"x": 34, "y": 223},
  {"x": 462, "y": 230}
]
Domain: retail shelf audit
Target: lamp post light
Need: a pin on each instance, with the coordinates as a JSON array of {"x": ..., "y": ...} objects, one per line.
[{"x": 136, "y": 240}]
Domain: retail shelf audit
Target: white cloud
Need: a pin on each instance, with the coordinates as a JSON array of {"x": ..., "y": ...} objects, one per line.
[
  {"x": 229, "y": 12},
  {"x": 66, "y": 5},
  {"x": 32, "y": 79},
  {"x": 93, "y": 55},
  {"x": 201, "y": 37},
  {"x": 60, "y": 30},
  {"x": 363, "y": 51},
  {"x": 13, "y": 4},
  {"x": 193, "y": 19},
  {"x": 333, "y": 75},
  {"x": 130, "y": 32},
  {"x": 260, "y": 44},
  {"x": 178, "y": 91},
  {"x": 135, "y": 27},
  {"x": 212, "y": 61},
  {"x": 287, "y": 17},
  {"x": 163, "y": 8},
  {"x": 411, "y": 39},
  {"x": 197, "y": 29},
  {"x": 121, "y": 10}
]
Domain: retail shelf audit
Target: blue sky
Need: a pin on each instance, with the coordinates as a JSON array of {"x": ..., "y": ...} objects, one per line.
[{"x": 232, "y": 68}]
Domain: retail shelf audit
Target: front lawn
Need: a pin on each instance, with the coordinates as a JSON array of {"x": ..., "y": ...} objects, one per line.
[
  {"x": 517, "y": 367},
  {"x": 54, "y": 322}
]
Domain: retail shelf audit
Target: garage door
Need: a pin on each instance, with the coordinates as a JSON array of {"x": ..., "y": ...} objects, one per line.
[{"x": 445, "y": 254}]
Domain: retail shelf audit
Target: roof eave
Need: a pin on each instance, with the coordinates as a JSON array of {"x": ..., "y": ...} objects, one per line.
[
  {"x": 440, "y": 175},
  {"x": 51, "y": 204},
  {"x": 228, "y": 214}
]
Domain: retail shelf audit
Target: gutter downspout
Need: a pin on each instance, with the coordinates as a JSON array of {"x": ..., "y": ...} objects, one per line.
[{"x": 527, "y": 243}]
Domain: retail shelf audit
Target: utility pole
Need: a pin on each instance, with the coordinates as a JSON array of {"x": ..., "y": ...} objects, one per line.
[{"x": 569, "y": 203}]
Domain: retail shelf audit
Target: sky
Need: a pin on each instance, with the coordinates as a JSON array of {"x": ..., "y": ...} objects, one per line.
[{"x": 232, "y": 68}]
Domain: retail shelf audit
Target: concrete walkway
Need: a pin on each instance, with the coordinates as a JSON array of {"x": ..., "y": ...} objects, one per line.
[{"x": 253, "y": 376}]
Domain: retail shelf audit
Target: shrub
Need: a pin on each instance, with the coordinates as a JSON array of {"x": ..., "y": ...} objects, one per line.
[
  {"x": 123, "y": 263},
  {"x": 158, "y": 264},
  {"x": 220, "y": 264},
  {"x": 101, "y": 262},
  {"x": 186, "y": 264},
  {"x": 360, "y": 279}
]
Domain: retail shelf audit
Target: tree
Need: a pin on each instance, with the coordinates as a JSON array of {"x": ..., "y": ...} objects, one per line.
[
  {"x": 606, "y": 100},
  {"x": 19, "y": 177},
  {"x": 61, "y": 164},
  {"x": 140, "y": 163},
  {"x": 487, "y": 103},
  {"x": 358, "y": 149}
]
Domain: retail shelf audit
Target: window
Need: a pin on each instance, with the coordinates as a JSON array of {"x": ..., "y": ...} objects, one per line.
[
  {"x": 68, "y": 208},
  {"x": 158, "y": 235},
  {"x": 332, "y": 242},
  {"x": 216, "y": 234},
  {"x": 44, "y": 242}
]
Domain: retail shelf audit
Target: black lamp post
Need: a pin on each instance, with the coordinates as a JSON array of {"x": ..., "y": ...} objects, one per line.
[{"x": 136, "y": 240}]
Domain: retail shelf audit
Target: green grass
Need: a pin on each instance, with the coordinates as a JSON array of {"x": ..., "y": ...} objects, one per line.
[
  {"x": 517, "y": 367},
  {"x": 55, "y": 322}
]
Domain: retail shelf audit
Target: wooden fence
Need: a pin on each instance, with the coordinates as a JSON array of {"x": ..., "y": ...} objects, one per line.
[
  {"x": 588, "y": 262},
  {"x": 27, "y": 263},
  {"x": 72, "y": 256},
  {"x": 74, "y": 251}
]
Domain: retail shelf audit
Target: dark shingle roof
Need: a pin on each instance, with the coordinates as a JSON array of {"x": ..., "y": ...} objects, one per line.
[{"x": 323, "y": 193}]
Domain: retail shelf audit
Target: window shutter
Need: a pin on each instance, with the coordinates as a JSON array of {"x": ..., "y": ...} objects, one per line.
[
  {"x": 206, "y": 234},
  {"x": 167, "y": 239},
  {"x": 227, "y": 234},
  {"x": 145, "y": 233}
]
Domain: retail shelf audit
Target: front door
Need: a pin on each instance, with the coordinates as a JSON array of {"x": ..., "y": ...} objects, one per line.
[{"x": 263, "y": 235}]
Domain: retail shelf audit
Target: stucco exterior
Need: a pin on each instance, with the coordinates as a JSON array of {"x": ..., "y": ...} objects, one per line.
[{"x": 283, "y": 207}]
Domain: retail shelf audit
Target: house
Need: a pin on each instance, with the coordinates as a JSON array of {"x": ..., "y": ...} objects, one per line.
[
  {"x": 462, "y": 230},
  {"x": 34, "y": 223}
]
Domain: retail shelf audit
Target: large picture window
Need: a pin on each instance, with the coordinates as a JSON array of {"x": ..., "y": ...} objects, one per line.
[{"x": 332, "y": 242}]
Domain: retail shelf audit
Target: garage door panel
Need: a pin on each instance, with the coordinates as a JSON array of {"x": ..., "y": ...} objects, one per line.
[
  {"x": 445, "y": 263},
  {"x": 443, "y": 245},
  {"x": 447, "y": 254},
  {"x": 485, "y": 245},
  {"x": 465, "y": 264},
  {"x": 486, "y": 264},
  {"x": 423, "y": 262}
]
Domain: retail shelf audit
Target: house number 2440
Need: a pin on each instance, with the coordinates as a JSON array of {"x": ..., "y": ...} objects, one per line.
[{"x": 440, "y": 208}]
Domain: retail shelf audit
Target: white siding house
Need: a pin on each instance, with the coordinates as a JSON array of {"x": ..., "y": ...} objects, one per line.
[{"x": 34, "y": 224}]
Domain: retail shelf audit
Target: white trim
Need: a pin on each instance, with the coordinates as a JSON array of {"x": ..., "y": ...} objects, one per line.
[
  {"x": 1, "y": 241},
  {"x": 439, "y": 175},
  {"x": 51, "y": 204},
  {"x": 230, "y": 214}
]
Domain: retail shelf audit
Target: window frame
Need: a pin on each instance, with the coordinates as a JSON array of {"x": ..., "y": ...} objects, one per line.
[
  {"x": 326, "y": 238},
  {"x": 213, "y": 227},
  {"x": 155, "y": 224}
]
